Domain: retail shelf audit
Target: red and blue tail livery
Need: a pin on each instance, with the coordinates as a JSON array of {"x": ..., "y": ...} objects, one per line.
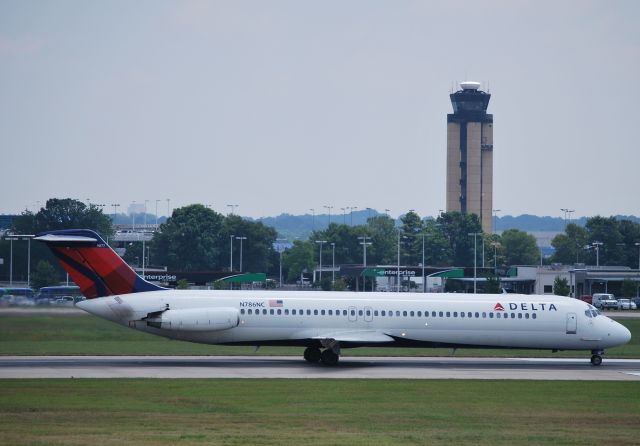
[{"x": 96, "y": 268}]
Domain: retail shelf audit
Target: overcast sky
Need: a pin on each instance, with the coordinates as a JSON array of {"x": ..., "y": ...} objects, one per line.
[{"x": 283, "y": 106}]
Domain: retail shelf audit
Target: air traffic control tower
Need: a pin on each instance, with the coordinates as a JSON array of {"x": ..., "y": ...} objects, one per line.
[{"x": 470, "y": 154}]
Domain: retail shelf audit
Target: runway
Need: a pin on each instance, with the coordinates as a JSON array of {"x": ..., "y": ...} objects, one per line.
[{"x": 294, "y": 367}]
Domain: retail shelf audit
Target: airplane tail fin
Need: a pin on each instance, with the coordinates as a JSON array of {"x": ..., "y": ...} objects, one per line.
[{"x": 96, "y": 268}]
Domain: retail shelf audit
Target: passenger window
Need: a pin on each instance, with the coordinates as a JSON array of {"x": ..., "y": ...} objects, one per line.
[
  {"x": 469, "y": 314},
  {"x": 448, "y": 314},
  {"x": 264, "y": 311},
  {"x": 526, "y": 315},
  {"x": 308, "y": 312},
  {"x": 359, "y": 312},
  {"x": 519, "y": 315},
  {"x": 368, "y": 313},
  {"x": 484, "y": 315},
  {"x": 353, "y": 312},
  {"x": 271, "y": 311},
  {"x": 344, "y": 312},
  {"x": 375, "y": 312},
  {"x": 455, "y": 314},
  {"x": 322, "y": 312},
  {"x": 242, "y": 311},
  {"x": 533, "y": 316},
  {"x": 498, "y": 315},
  {"x": 490, "y": 315},
  {"x": 513, "y": 315},
  {"x": 433, "y": 314},
  {"x": 462, "y": 314},
  {"x": 330, "y": 313},
  {"x": 404, "y": 313},
  {"x": 286, "y": 312},
  {"x": 383, "y": 313},
  {"x": 279, "y": 311},
  {"x": 441, "y": 314},
  {"x": 419, "y": 313},
  {"x": 397, "y": 313},
  {"x": 315, "y": 312},
  {"x": 293, "y": 312},
  {"x": 477, "y": 315}
]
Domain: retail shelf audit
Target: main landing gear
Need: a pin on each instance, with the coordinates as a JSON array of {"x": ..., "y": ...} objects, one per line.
[
  {"x": 327, "y": 357},
  {"x": 596, "y": 357}
]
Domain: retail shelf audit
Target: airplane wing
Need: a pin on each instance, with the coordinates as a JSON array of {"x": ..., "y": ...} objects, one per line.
[{"x": 355, "y": 336}]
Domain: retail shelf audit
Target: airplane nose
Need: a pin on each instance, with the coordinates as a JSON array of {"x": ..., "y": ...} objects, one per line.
[{"x": 625, "y": 334}]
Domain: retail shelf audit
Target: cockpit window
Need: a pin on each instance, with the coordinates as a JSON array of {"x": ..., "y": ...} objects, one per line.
[{"x": 588, "y": 313}]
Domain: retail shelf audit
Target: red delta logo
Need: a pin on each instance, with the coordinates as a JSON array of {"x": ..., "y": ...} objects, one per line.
[{"x": 498, "y": 307}]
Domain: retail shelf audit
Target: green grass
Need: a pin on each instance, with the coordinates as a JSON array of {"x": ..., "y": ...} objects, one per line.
[
  {"x": 312, "y": 412},
  {"x": 88, "y": 335}
]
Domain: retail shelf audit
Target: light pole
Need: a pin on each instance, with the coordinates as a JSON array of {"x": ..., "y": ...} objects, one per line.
[
  {"x": 231, "y": 254},
  {"x": 495, "y": 257},
  {"x": 344, "y": 215},
  {"x": 241, "y": 238},
  {"x": 157, "y": 201},
  {"x": 281, "y": 249},
  {"x": 333, "y": 263},
  {"x": 115, "y": 205},
  {"x": 11, "y": 239},
  {"x": 145, "y": 220},
  {"x": 638, "y": 245},
  {"x": 133, "y": 216},
  {"x": 597, "y": 245},
  {"x": 369, "y": 213},
  {"x": 495, "y": 220},
  {"x": 232, "y": 207},
  {"x": 328, "y": 207},
  {"x": 424, "y": 279},
  {"x": 351, "y": 208},
  {"x": 168, "y": 208},
  {"x": 398, "y": 276},
  {"x": 321, "y": 242},
  {"x": 475, "y": 263},
  {"x": 313, "y": 219},
  {"x": 364, "y": 244}
]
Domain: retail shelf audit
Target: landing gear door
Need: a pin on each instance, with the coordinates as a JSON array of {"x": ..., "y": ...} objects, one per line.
[{"x": 572, "y": 323}]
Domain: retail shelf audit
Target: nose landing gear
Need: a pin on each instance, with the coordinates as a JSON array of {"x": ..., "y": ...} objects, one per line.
[{"x": 596, "y": 357}]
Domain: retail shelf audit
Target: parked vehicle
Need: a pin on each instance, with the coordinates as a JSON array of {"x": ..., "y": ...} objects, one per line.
[
  {"x": 587, "y": 298},
  {"x": 626, "y": 304},
  {"x": 605, "y": 301}
]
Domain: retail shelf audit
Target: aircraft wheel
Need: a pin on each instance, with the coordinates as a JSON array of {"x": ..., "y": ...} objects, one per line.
[
  {"x": 312, "y": 354},
  {"x": 596, "y": 360},
  {"x": 328, "y": 357}
]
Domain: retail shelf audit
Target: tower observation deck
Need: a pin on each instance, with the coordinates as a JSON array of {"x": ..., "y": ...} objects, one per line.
[{"x": 470, "y": 154}]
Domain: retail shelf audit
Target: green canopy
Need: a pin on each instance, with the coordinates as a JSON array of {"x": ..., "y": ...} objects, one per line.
[{"x": 245, "y": 278}]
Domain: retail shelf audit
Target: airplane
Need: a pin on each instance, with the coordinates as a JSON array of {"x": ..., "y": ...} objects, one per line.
[{"x": 326, "y": 322}]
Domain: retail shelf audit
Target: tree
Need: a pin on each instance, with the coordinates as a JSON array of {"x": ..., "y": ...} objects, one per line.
[
  {"x": 629, "y": 288},
  {"x": 520, "y": 248},
  {"x": 44, "y": 274},
  {"x": 411, "y": 229},
  {"x": 493, "y": 285},
  {"x": 455, "y": 228},
  {"x": 57, "y": 214},
  {"x": 297, "y": 259},
  {"x": 190, "y": 240},
  {"x": 570, "y": 245},
  {"x": 561, "y": 286},
  {"x": 382, "y": 251},
  {"x": 258, "y": 254}
]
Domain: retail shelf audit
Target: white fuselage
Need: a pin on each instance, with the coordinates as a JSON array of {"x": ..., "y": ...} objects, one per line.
[{"x": 357, "y": 319}]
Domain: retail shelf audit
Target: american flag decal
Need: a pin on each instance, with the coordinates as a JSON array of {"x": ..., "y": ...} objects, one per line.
[{"x": 275, "y": 303}]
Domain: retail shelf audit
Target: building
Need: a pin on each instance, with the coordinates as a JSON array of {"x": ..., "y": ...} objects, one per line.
[{"x": 470, "y": 154}]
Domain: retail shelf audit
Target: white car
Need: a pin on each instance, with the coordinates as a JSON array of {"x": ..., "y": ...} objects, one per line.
[{"x": 626, "y": 304}]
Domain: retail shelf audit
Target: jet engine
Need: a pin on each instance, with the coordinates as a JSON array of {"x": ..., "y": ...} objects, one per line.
[{"x": 194, "y": 319}]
